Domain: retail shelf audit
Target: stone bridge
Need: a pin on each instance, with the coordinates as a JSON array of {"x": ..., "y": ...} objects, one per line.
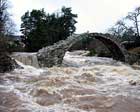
[{"x": 53, "y": 55}]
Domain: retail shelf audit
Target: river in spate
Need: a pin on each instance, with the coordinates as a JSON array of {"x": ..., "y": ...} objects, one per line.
[{"x": 82, "y": 84}]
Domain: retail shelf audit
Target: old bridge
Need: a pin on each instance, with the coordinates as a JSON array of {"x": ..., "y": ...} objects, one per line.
[{"x": 53, "y": 55}]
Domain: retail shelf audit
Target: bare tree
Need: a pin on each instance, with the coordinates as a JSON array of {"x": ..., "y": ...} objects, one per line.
[
  {"x": 6, "y": 24},
  {"x": 3, "y": 14},
  {"x": 133, "y": 16},
  {"x": 127, "y": 27},
  {"x": 119, "y": 28}
]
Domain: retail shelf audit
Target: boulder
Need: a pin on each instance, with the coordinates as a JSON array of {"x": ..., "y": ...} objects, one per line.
[{"x": 6, "y": 63}]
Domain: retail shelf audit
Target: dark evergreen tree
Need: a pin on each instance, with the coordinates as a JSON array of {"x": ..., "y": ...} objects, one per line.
[
  {"x": 41, "y": 29},
  {"x": 33, "y": 27},
  {"x": 68, "y": 21}
]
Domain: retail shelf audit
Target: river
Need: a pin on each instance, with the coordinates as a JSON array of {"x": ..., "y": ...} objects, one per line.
[{"x": 82, "y": 84}]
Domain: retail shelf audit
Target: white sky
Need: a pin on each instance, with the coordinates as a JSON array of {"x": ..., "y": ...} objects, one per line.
[{"x": 93, "y": 15}]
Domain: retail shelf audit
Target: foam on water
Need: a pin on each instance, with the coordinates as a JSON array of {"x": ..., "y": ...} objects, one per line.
[{"x": 84, "y": 84}]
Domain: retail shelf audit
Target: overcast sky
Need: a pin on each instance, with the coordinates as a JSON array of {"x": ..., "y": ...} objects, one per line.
[{"x": 93, "y": 15}]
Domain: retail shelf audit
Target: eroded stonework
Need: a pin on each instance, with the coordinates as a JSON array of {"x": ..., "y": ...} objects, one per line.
[{"x": 53, "y": 55}]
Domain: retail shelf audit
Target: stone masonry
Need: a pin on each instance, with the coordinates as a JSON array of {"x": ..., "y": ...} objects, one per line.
[{"x": 53, "y": 55}]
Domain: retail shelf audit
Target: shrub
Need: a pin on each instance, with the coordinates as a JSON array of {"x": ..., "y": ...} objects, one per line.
[
  {"x": 3, "y": 44},
  {"x": 92, "y": 52},
  {"x": 8, "y": 45}
]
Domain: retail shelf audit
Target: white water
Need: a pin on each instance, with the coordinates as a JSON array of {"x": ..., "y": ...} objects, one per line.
[
  {"x": 26, "y": 58},
  {"x": 83, "y": 84}
]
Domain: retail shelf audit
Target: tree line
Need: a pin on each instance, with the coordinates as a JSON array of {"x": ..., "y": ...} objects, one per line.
[{"x": 41, "y": 29}]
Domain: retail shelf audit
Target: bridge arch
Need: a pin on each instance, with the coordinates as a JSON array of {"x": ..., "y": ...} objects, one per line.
[
  {"x": 53, "y": 55},
  {"x": 113, "y": 44}
]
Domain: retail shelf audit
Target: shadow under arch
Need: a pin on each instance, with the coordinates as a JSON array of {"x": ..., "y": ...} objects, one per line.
[{"x": 113, "y": 45}]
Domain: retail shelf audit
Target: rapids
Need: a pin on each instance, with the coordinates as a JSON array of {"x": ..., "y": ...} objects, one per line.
[{"x": 82, "y": 84}]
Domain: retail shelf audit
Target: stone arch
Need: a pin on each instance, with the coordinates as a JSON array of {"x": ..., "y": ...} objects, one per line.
[
  {"x": 53, "y": 55},
  {"x": 112, "y": 43}
]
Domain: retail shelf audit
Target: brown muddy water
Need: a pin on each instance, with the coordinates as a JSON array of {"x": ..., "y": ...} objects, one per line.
[{"x": 82, "y": 84}]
